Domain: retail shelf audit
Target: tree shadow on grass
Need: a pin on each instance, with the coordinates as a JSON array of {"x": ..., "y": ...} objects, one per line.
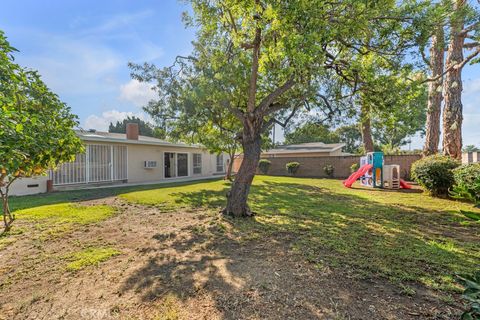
[
  {"x": 349, "y": 233},
  {"x": 26, "y": 202}
]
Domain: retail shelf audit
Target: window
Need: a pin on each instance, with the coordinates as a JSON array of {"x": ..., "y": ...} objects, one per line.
[
  {"x": 197, "y": 163},
  {"x": 220, "y": 163}
]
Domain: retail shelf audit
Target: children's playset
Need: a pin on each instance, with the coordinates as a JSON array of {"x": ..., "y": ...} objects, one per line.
[{"x": 373, "y": 173}]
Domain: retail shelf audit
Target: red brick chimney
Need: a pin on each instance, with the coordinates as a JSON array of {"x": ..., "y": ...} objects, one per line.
[{"x": 132, "y": 131}]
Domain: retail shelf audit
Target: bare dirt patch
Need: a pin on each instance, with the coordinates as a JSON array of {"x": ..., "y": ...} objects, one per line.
[{"x": 190, "y": 264}]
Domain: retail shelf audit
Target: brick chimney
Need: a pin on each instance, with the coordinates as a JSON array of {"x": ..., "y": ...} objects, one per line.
[{"x": 132, "y": 131}]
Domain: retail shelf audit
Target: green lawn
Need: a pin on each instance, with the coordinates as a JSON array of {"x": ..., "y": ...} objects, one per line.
[{"x": 401, "y": 235}]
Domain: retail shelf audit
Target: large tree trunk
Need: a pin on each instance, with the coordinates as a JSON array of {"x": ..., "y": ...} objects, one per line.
[
  {"x": 238, "y": 195},
  {"x": 366, "y": 128},
  {"x": 452, "y": 114},
  {"x": 435, "y": 95}
]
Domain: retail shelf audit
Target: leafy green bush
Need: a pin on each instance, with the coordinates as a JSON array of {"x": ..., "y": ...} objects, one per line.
[
  {"x": 467, "y": 183},
  {"x": 354, "y": 167},
  {"x": 434, "y": 174},
  {"x": 471, "y": 295},
  {"x": 264, "y": 165},
  {"x": 329, "y": 169},
  {"x": 292, "y": 167}
]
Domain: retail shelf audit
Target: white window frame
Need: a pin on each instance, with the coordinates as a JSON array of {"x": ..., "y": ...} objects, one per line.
[
  {"x": 175, "y": 164},
  {"x": 197, "y": 165}
]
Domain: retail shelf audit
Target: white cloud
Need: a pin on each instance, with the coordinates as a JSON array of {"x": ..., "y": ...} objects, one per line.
[
  {"x": 138, "y": 93},
  {"x": 102, "y": 122}
]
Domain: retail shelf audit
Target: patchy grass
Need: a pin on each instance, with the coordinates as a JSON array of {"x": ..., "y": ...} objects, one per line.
[
  {"x": 209, "y": 194},
  {"x": 66, "y": 213},
  {"x": 89, "y": 257},
  {"x": 402, "y": 235},
  {"x": 169, "y": 309},
  {"x": 25, "y": 202}
]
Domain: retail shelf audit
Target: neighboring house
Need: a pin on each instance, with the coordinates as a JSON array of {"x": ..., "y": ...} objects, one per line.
[
  {"x": 302, "y": 150},
  {"x": 115, "y": 158},
  {"x": 470, "y": 157},
  {"x": 311, "y": 149}
]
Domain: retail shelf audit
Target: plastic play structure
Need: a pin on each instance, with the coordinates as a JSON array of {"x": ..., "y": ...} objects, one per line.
[{"x": 373, "y": 173}]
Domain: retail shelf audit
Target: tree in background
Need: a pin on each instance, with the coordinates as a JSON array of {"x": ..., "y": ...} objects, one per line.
[
  {"x": 464, "y": 24},
  {"x": 402, "y": 115},
  {"x": 263, "y": 61},
  {"x": 311, "y": 132},
  {"x": 391, "y": 103},
  {"x": 36, "y": 128},
  {"x": 351, "y": 136},
  {"x": 435, "y": 65},
  {"x": 471, "y": 148},
  {"x": 144, "y": 128}
]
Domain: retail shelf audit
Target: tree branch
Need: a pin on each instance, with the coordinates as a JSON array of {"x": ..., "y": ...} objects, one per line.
[
  {"x": 252, "y": 90},
  {"x": 454, "y": 66},
  {"x": 263, "y": 107}
]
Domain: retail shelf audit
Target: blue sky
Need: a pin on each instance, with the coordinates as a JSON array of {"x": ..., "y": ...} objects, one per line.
[{"x": 81, "y": 48}]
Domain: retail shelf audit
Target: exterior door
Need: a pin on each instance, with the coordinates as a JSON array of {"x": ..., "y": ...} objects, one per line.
[{"x": 182, "y": 164}]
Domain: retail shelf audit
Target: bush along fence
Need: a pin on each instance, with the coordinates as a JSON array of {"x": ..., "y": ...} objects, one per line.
[{"x": 329, "y": 167}]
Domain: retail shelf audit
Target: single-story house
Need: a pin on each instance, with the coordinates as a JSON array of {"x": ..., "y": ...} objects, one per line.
[
  {"x": 311, "y": 149},
  {"x": 115, "y": 158},
  {"x": 470, "y": 157}
]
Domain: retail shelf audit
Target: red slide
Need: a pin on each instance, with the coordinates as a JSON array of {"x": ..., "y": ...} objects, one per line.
[
  {"x": 356, "y": 175},
  {"x": 404, "y": 184}
]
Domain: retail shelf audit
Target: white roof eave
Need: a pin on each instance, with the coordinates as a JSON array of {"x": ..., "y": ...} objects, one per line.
[{"x": 138, "y": 142}]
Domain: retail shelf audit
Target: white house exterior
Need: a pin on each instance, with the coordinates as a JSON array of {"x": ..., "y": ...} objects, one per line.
[{"x": 114, "y": 158}]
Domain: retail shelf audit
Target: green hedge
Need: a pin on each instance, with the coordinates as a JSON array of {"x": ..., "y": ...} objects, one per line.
[
  {"x": 264, "y": 165},
  {"x": 292, "y": 167},
  {"x": 434, "y": 174},
  {"x": 467, "y": 183},
  {"x": 329, "y": 169}
]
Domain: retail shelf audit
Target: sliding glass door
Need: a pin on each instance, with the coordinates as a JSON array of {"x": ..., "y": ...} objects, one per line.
[{"x": 176, "y": 164}]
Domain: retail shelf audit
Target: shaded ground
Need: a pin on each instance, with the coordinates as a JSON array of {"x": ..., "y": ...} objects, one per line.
[{"x": 314, "y": 251}]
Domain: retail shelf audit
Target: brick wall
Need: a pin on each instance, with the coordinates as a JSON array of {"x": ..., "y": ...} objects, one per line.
[{"x": 313, "y": 166}]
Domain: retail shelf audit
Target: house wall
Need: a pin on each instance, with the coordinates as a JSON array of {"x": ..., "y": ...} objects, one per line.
[
  {"x": 313, "y": 166},
  {"x": 136, "y": 155},
  {"x": 470, "y": 157},
  {"x": 26, "y": 186}
]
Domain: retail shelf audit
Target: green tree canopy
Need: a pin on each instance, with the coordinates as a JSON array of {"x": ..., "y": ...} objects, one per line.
[
  {"x": 36, "y": 128},
  {"x": 311, "y": 132},
  {"x": 144, "y": 128},
  {"x": 471, "y": 148},
  {"x": 262, "y": 61}
]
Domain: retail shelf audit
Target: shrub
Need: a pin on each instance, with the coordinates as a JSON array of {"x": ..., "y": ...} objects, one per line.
[
  {"x": 292, "y": 167},
  {"x": 354, "y": 167},
  {"x": 467, "y": 183},
  {"x": 329, "y": 169},
  {"x": 264, "y": 165},
  {"x": 471, "y": 295},
  {"x": 434, "y": 174}
]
